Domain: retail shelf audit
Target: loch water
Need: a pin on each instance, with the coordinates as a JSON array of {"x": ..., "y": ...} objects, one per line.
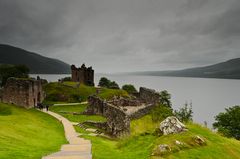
[{"x": 208, "y": 96}]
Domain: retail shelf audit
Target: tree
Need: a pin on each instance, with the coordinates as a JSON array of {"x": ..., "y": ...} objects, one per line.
[
  {"x": 129, "y": 88},
  {"x": 18, "y": 71},
  {"x": 184, "y": 114},
  {"x": 113, "y": 85},
  {"x": 66, "y": 79},
  {"x": 165, "y": 98},
  {"x": 104, "y": 82},
  {"x": 228, "y": 123}
]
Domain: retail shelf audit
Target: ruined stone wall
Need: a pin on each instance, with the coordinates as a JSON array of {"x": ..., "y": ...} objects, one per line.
[
  {"x": 124, "y": 102},
  {"x": 149, "y": 95},
  {"x": 100, "y": 125},
  {"x": 119, "y": 111},
  {"x": 142, "y": 112},
  {"x": 23, "y": 92},
  {"x": 118, "y": 123},
  {"x": 96, "y": 106}
]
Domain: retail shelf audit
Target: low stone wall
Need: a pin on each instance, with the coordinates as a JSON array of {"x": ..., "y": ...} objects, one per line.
[
  {"x": 118, "y": 123},
  {"x": 149, "y": 95},
  {"x": 124, "y": 102},
  {"x": 142, "y": 112},
  {"x": 100, "y": 125},
  {"x": 119, "y": 111}
]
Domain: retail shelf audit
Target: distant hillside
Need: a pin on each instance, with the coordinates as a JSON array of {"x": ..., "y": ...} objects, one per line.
[
  {"x": 228, "y": 70},
  {"x": 37, "y": 64}
]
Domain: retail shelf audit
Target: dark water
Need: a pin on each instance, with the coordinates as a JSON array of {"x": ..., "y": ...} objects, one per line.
[{"x": 208, "y": 96}]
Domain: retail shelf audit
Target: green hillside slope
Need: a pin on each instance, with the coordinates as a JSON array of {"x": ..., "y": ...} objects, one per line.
[
  {"x": 36, "y": 63},
  {"x": 143, "y": 141},
  {"x": 28, "y": 134}
]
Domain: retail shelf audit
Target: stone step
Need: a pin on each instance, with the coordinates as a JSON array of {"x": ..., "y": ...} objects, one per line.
[
  {"x": 80, "y": 148},
  {"x": 78, "y": 141},
  {"x": 69, "y": 155},
  {"x": 91, "y": 130}
]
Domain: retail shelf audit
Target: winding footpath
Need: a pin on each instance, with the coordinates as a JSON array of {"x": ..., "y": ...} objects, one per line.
[{"x": 78, "y": 148}]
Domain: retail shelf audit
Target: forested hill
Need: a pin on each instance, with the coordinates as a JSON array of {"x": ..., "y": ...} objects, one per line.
[
  {"x": 37, "y": 64},
  {"x": 229, "y": 69}
]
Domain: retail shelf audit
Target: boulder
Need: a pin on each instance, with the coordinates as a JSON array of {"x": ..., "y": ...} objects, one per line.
[
  {"x": 164, "y": 148},
  {"x": 161, "y": 150},
  {"x": 199, "y": 140},
  {"x": 171, "y": 125}
]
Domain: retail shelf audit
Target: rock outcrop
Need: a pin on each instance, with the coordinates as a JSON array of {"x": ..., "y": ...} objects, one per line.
[{"x": 171, "y": 125}]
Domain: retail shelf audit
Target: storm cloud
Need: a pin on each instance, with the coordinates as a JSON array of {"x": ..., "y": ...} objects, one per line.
[{"x": 125, "y": 35}]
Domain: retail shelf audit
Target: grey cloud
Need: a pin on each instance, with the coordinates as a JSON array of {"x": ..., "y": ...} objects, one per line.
[{"x": 127, "y": 34}]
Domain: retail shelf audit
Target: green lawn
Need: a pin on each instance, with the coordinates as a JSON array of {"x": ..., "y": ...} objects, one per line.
[
  {"x": 28, "y": 134},
  {"x": 217, "y": 147},
  {"x": 106, "y": 93},
  {"x": 67, "y": 92},
  {"x": 70, "y": 92},
  {"x": 76, "y": 108}
]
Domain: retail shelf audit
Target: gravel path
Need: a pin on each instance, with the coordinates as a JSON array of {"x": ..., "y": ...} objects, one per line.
[{"x": 78, "y": 148}]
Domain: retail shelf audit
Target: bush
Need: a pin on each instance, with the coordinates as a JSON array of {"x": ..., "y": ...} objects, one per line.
[
  {"x": 160, "y": 112},
  {"x": 18, "y": 71},
  {"x": 129, "y": 88},
  {"x": 66, "y": 79},
  {"x": 113, "y": 85},
  {"x": 228, "y": 123},
  {"x": 184, "y": 114},
  {"x": 165, "y": 98},
  {"x": 104, "y": 82}
]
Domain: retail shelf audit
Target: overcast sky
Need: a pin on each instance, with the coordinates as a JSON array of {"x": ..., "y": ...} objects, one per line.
[{"x": 125, "y": 35}]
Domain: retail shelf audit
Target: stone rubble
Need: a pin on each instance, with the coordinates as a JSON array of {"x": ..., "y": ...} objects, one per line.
[{"x": 171, "y": 125}]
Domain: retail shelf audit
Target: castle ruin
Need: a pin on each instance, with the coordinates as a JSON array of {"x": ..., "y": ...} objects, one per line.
[
  {"x": 83, "y": 75},
  {"x": 120, "y": 111},
  {"x": 23, "y": 92}
]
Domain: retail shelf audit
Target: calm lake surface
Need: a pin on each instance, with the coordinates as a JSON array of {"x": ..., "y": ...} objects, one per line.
[{"x": 208, "y": 96}]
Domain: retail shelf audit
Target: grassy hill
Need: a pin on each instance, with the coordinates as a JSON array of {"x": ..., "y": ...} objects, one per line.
[
  {"x": 229, "y": 70},
  {"x": 36, "y": 63},
  {"x": 143, "y": 141},
  {"x": 28, "y": 134},
  {"x": 71, "y": 92}
]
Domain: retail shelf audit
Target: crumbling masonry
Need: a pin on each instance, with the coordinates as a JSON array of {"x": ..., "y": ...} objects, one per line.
[
  {"x": 23, "y": 92},
  {"x": 83, "y": 75},
  {"x": 120, "y": 111}
]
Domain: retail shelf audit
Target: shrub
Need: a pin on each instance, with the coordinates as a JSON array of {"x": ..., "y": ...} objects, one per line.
[
  {"x": 104, "y": 82},
  {"x": 113, "y": 85},
  {"x": 184, "y": 114},
  {"x": 160, "y": 112},
  {"x": 129, "y": 88},
  {"x": 165, "y": 98},
  {"x": 66, "y": 79},
  {"x": 228, "y": 123},
  {"x": 18, "y": 71}
]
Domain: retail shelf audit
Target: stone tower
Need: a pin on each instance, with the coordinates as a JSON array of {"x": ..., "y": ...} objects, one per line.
[{"x": 84, "y": 75}]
